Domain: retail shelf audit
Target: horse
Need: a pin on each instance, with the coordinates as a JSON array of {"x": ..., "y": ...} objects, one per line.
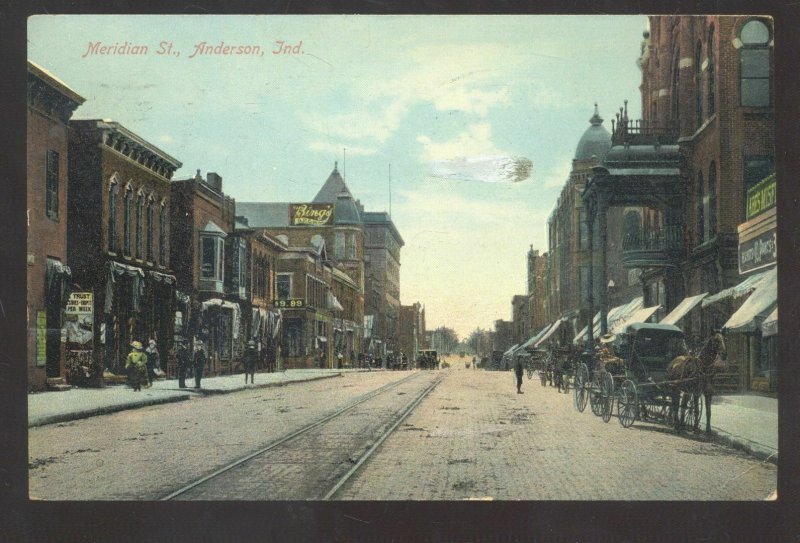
[{"x": 697, "y": 375}]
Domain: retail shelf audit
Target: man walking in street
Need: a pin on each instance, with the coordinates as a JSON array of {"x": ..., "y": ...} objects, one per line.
[
  {"x": 250, "y": 357},
  {"x": 184, "y": 360},
  {"x": 518, "y": 370},
  {"x": 199, "y": 363}
]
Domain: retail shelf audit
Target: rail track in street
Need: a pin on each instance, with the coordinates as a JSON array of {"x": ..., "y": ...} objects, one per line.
[{"x": 315, "y": 461}]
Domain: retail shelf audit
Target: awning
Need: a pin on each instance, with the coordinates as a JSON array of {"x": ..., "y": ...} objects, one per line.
[
  {"x": 333, "y": 303},
  {"x": 742, "y": 289},
  {"x": 683, "y": 308},
  {"x": 757, "y": 307},
  {"x": 534, "y": 338},
  {"x": 550, "y": 331},
  {"x": 770, "y": 325},
  {"x": 511, "y": 349},
  {"x": 615, "y": 315},
  {"x": 639, "y": 316}
]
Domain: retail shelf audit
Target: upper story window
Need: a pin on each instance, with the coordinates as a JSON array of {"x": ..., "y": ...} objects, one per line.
[
  {"x": 283, "y": 286},
  {"x": 239, "y": 266},
  {"x": 351, "y": 246},
  {"x": 710, "y": 72},
  {"x": 712, "y": 201},
  {"x": 698, "y": 84},
  {"x": 127, "y": 209},
  {"x": 338, "y": 245},
  {"x": 675, "y": 93},
  {"x": 583, "y": 230},
  {"x": 151, "y": 227},
  {"x": 754, "y": 65},
  {"x": 139, "y": 225},
  {"x": 162, "y": 234},
  {"x": 113, "y": 190},
  {"x": 51, "y": 184},
  {"x": 700, "y": 206},
  {"x": 212, "y": 254}
]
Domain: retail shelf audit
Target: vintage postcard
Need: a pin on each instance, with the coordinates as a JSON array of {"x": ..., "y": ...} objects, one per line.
[{"x": 419, "y": 258}]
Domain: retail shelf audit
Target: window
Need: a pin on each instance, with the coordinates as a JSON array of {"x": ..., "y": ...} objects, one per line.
[
  {"x": 239, "y": 266},
  {"x": 351, "y": 246},
  {"x": 162, "y": 234},
  {"x": 754, "y": 65},
  {"x": 126, "y": 219},
  {"x": 700, "y": 204},
  {"x": 212, "y": 257},
  {"x": 51, "y": 184},
  {"x": 113, "y": 188},
  {"x": 283, "y": 285},
  {"x": 698, "y": 84},
  {"x": 139, "y": 224},
  {"x": 151, "y": 228},
  {"x": 338, "y": 245},
  {"x": 712, "y": 201},
  {"x": 710, "y": 73},
  {"x": 676, "y": 86},
  {"x": 583, "y": 230}
]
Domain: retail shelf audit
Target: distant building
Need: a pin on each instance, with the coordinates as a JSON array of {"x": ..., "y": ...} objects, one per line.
[
  {"x": 538, "y": 301},
  {"x": 412, "y": 330},
  {"x": 50, "y": 106}
]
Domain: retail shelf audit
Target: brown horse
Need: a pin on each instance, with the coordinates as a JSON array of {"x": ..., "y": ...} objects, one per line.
[{"x": 698, "y": 373}]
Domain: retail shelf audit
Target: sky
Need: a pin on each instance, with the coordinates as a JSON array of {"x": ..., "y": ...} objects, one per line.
[{"x": 462, "y": 127}]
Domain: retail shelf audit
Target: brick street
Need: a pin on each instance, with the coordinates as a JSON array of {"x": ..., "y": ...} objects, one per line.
[{"x": 472, "y": 438}]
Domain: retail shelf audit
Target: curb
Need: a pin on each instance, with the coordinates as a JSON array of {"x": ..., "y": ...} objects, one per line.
[
  {"x": 752, "y": 448},
  {"x": 216, "y": 391},
  {"x": 104, "y": 410}
]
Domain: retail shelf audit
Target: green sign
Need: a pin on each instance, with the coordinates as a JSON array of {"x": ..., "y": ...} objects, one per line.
[
  {"x": 761, "y": 197},
  {"x": 41, "y": 337},
  {"x": 290, "y": 303}
]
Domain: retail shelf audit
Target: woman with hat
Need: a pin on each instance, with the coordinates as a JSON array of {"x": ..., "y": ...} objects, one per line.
[
  {"x": 250, "y": 357},
  {"x": 136, "y": 365},
  {"x": 153, "y": 360}
]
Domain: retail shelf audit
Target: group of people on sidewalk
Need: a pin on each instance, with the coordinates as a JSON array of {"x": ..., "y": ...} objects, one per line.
[{"x": 143, "y": 365}]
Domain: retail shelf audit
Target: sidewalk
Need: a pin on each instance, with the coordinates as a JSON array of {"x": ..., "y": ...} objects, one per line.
[
  {"x": 78, "y": 403},
  {"x": 748, "y": 422}
]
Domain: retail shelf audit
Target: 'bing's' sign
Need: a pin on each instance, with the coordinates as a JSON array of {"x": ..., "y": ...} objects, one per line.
[{"x": 310, "y": 214}]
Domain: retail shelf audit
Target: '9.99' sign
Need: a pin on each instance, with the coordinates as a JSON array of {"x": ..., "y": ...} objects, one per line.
[{"x": 290, "y": 303}]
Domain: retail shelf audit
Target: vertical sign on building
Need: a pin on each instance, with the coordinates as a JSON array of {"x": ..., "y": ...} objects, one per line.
[
  {"x": 80, "y": 318},
  {"x": 41, "y": 337}
]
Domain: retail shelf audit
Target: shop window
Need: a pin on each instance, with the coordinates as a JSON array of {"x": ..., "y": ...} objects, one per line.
[
  {"x": 754, "y": 65},
  {"x": 51, "y": 184},
  {"x": 294, "y": 341},
  {"x": 712, "y": 201},
  {"x": 710, "y": 72}
]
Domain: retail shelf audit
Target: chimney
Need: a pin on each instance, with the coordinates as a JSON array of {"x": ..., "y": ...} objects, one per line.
[{"x": 214, "y": 181}]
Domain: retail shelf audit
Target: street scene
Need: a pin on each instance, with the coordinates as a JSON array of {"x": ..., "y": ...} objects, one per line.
[{"x": 467, "y": 258}]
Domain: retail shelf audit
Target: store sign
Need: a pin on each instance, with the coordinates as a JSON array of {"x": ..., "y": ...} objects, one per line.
[
  {"x": 290, "y": 303},
  {"x": 41, "y": 338},
  {"x": 310, "y": 214},
  {"x": 758, "y": 252},
  {"x": 761, "y": 197},
  {"x": 79, "y": 314}
]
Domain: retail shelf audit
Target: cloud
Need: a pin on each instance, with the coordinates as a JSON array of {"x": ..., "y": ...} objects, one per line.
[{"x": 475, "y": 141}]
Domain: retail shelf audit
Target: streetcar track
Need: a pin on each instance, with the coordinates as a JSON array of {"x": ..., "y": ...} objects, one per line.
[{"x": 303, "y": 430}]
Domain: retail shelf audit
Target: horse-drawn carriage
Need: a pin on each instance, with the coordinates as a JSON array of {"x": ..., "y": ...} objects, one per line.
[{"x": 651, "y": 376}]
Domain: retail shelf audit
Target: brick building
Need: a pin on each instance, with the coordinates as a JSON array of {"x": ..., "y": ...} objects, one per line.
[
  {"x": 520, "y": 305},
  {"x": 706, "y": 137},
  {"x": 412, "y": 330},
  {"x": 50, "y": 106},
  {"x": 538, "y": 301},
  {"x": 119, "y": 237}
]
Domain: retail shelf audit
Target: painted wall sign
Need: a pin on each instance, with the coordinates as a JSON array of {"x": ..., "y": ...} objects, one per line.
[
  {"x": 41, "y": 337},
  {"x": 758, "y": 252},
  {"x": 310, "y": 214},
  {"x": 79, "y": 313},
  {"x": 290, "y": 303},
  {"x": 761, "y": 197}
]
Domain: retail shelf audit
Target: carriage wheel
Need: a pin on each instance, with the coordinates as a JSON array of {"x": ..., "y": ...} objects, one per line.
[
  {"x": 581, "y": 388},
  {"x": 594, "y": 395},
  {"x": 627, "y": 404},
  {"x": 694, "y": 413},
  {"x": 607, "y": 395}
]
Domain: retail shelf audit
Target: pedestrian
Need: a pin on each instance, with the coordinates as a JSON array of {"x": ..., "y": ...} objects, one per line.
[
  {"x": 199, "y": 363},
  {"x": 250, "y": 356},
  {"x": 153, "y": 361},
  {"x": 518, "y": 370},
  {"x": 339, "y": 360},
  {"x": 474, "y": 363},
  {"x": 184, "y": 361},
  {"x": 136, "y": 365}
]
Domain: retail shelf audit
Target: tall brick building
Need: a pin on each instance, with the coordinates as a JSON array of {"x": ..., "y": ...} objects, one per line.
[{"x": 50, "y": 106}]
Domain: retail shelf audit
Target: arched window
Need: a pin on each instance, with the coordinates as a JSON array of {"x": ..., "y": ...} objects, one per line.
[
  {"x": 151, "y": 227},
  {"x": 113, "y": 189},
  {"x": 700, "y": 206},
  {"x": 710, "y": 74},
  {"x": 139, "y": 224},
  {"x": 754, "y": 65},
  {"x": 126, "y": 220},
  {"x": 162, "y": 234},
  {"x": 712, "y": 201},
  {"x": 698, "y": 84}
]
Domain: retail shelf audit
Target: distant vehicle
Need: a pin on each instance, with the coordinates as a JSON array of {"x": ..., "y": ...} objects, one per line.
[{"x": 428, "y": 359}]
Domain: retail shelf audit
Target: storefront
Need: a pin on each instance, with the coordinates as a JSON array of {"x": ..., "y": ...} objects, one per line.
[{"x": 221, "y": 331}]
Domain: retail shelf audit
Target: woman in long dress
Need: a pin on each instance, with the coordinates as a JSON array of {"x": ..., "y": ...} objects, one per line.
[{"x": 136, "y": 365}]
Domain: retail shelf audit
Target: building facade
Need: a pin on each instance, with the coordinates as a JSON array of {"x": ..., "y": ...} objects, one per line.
[
  {"x": 412, "y": 330},
  {"x": 50, "y": 105},
  {"x": 119, "y": 240}
]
